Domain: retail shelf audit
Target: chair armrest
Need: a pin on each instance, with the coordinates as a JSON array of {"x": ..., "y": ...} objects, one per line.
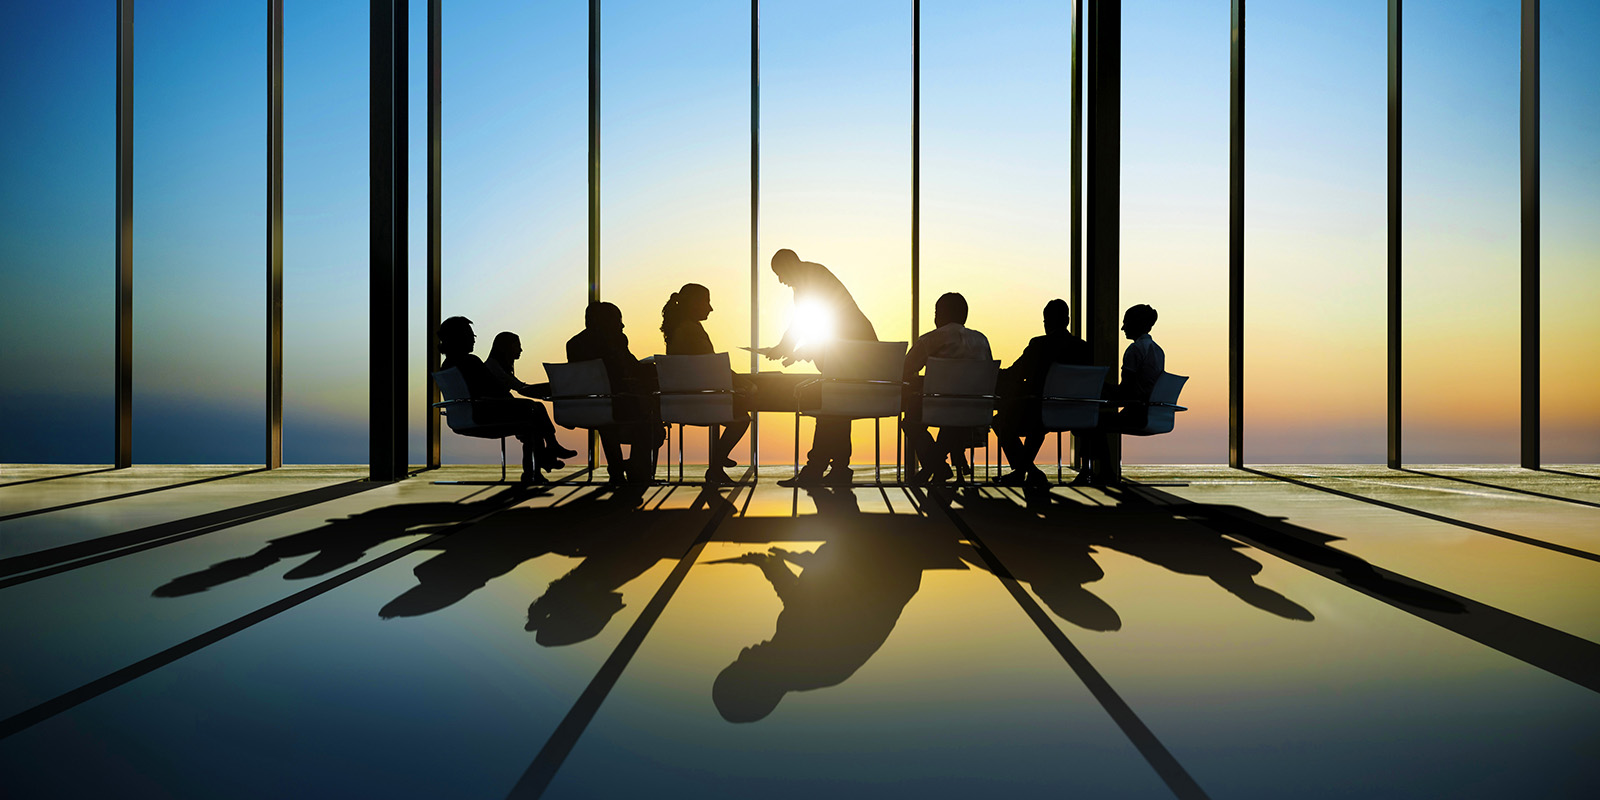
[
  {"x": 1173, "y": 406},
  {"x": 961, "y": 396},
  {"x": 693, "y": 392},
  {"x": 444, "y": 403},
  {"x": 1093, "y": 400}
]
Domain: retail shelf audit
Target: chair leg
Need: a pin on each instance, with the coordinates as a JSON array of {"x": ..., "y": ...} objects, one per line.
[
  {"x": 502, "y": 459},
  {"x": 796, "y": 444},
  {"x": 877, "y": 451},
  {"x": 680, "y": 452},
  {"x": 1058, "y": 456}
]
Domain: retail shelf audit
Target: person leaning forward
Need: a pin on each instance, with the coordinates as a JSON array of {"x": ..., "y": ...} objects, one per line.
[{"x": 633, "y": 384}]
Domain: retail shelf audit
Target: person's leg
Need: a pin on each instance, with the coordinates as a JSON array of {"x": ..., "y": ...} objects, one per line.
[
  {"x": 611, "y": 445},
  {"x": 732, "y": 434}
]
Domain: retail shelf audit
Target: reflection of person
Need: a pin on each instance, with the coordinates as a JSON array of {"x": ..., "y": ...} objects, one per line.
[
  {"x": 495, "y": 402},
  {"x": 950, "y": 338},
  {"x": 1142, "y": 365},
  {"x": 503, "y": 355},
  {"x": 836, "y": 614},
  {"x": 602, "y": 338},
  {"x": 685, "y": 336},
  {"x": 1021, "y": 386},
  {"x": 823, "y": 310}
]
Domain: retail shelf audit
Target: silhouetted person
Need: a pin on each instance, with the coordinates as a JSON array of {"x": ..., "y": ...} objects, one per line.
[
  {"x": 1142, "y": 365},
  {"x": 501, "y": 363},
  {"x": 950, "y": 338},
  {"x": 685, "y": 336},
  {"x": 823, "y": 311},
  {"x": 493, "y": 402},
  {"x": 1017, "y": 424},
  {"x": 602, "y": 338}
]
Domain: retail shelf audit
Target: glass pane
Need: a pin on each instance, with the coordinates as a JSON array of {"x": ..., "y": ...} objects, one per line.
[
  {"x": 996, "y": 164},
  {"x": 515, "y": 160},
  {"x": 1175, "y": 211},
  {"x": 1569, "y": 184},
  {"x": 325, "y": 233},
  {"x": 1315, "y": 246},
  {"x": 57, "y": 213},
  {"x": 199, "y": 243},
  {"x": 676, "y": 170},
  {"x": 1461, "y": 231},
  {"x": 836, "y": 169}
]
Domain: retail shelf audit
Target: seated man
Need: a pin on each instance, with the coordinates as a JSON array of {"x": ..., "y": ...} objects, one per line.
[
  {"x": 495, "y": 403},
  {"x": 1021, "y": 386},
  {"x": 602, "y": 338},
  {"x": 1142, "y": 365},
  {"x": 950, "y": 338}
]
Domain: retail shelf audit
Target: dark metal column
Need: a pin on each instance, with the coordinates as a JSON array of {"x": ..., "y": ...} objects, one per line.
[
  {"x": 916, "y": 168},
  {"x": 755, "y": 218},
  {"x": 435, "y": 151},
  {"x": 1236, "y": 238},
  {"x": 594, "y": 150},
  {"x": 1530, "y": 234},
  {"x": 122, "y": 445},
  {"x": 1076, "y": 292},
  {"x": 1394, "y": 345},
  {"x": 274, "y": 234},
  {"x": 1105, "y": 196},
  {"x": 387, "y": 331}
]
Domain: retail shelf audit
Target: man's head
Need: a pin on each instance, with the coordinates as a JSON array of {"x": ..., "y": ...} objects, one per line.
[
  {"x": 456, "y": 336},
  {"x": 601, "y": 315},
  {"x": 1057, "y": 315},
  {"x": 784, "y": 263},
  {"x": 1138, "y": 321},
  {"x": 950, "y": 307}
]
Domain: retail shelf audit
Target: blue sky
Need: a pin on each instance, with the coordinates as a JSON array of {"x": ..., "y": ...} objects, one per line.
[{"x": 835, "y": 186}]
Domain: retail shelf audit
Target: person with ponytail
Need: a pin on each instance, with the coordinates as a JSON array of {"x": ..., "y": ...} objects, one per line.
[{"x": 685, "y": 336}]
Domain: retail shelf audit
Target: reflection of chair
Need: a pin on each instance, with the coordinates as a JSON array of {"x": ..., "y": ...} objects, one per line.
[
  {"x": 959, "y": 393},
  {"x": 580, "y": 396},
  {"x": 1071, "y": 401},
  {"x": 466, "y": 416},
  {"x": 695, "y": 390},
  {"x": 1161, "y": 411},
  {"x": 860, "y": 380}
]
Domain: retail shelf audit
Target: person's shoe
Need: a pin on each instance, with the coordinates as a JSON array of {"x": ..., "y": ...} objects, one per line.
[
  {"x": 839, "y": 476},
  {"x": 561, "y": 452},
  {"x": 1036, "y": 479},
  {"x": 728, "y": 463},
  {"x": 716, "y": 477},
  {"x": 809, "y": 476},
  {"x": 532, "y": 477}
]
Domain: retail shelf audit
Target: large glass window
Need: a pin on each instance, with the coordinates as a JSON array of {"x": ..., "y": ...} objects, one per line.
[
  {"x": 515, "y": 160},
  {"x": 1175, "y": 210},
  {"x": 57, "y": 212},
  {"x": 996, "y": 160},
  {"x": 676, "y": 181},
  {"x": 1462, "y": 231},
  {"x": 199, "y": 232},
  {"x": 1569, "y": 183},
  {"x": 1315, "y": 232},
  {"x": 325, "y": 233},
  {"x": 836, "y": 165}
]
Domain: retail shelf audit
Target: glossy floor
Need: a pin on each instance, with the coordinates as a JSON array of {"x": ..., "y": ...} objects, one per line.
[{"x": 1202, "y": 632}]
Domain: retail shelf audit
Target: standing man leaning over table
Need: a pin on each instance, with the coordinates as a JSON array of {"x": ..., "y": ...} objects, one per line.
[{"x": 823, "y": 311}]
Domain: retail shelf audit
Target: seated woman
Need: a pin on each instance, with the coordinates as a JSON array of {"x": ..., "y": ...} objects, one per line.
[
  {"x": 685, "y": 336},
  {"x": 602, "y": 338},
  {"x": 503, "y": 355},
  {"x": 534, "y": 429}
]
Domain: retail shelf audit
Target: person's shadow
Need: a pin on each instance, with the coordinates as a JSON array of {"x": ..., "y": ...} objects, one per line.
[
  {"x": 1049, "y": 545},
  {"x": 842, "y": 606},
  {"x": 344, "y": 541}
]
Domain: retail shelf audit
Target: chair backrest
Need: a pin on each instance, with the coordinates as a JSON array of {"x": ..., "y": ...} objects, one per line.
[
  {"x": 453, "y": 387},
  {"x": 1063, "y": 385},
  {"x": 581, "y": 394},
  {"x": 967, "y": 386},
  {"x": 696, "y": 390},
  {"x": 863, "y": 379},
  {"x": 1162, "y": 418}
]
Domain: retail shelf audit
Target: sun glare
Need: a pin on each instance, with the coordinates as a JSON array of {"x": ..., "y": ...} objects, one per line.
[{"x": 812, "y": 324}]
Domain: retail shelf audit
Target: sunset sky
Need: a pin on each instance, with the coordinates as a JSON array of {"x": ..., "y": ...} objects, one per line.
[{"x": 835, "y": 165}]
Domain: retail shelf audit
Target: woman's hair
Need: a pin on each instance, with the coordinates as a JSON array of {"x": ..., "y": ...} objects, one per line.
[
  {"x": 505, "y": 343},
  {"x": 673, "y": 313}
]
